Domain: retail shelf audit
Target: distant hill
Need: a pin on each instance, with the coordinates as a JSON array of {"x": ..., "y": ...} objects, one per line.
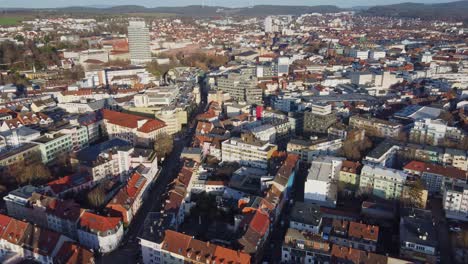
[
  {"x": 456, "y": 11},
  {"x": 194, "y": 10}
]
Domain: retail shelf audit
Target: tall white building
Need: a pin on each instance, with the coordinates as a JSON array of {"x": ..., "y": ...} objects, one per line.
[
  {"x": 268, "y": 24},
  {"x": 139, "y": 42},
  {"x": 321, "y": 184},
  {"x": 247, "y": 152},
  {"x": 456, "y": 201}
]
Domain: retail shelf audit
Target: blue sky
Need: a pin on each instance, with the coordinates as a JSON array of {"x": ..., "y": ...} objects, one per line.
[{"x": 229, "y": 3}]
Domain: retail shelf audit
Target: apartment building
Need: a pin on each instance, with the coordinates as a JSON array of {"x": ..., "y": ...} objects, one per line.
[
  {"x": 319, "y": 119},
  {"x": 321, "y": 184},
  {"x": 171, "y": 247},
  {"x": 247, "y": 151},
  {"x": 434, "y": 132},
  {"x": 435, "y": 176},
  {"x": 241, "y": 87},
  {"x": 302, "y": 247},
  {"x": 132, "y": 128},
  {"x": 456, "y": 201},
  {"x": 382, "y": 182},
  {"x": 100, "y": 233},
  {"x": 53, "y": 145},
  {"x": 375, "y": 126}
]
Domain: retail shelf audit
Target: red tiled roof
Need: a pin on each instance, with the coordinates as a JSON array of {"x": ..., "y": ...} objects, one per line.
[
  {"x": 15, "y": 231},
  {"x": 135, "y": 184},
  {"x": 176, "y": 242},
  {"x": 71, "y": 253},
  {"x": 445, "y": 171},
  {"x": 4, "y": 221},
  {"x": 363, "y": 231},
  {"x": 98, "y": 223},
  {"x": 226, "y": 255},
  {"x": 350, "y": 254},
  {"x": 131, "y": 121},
  {"x": 260, "y": 222}
]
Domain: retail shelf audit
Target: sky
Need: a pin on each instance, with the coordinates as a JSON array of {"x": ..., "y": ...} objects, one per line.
[{"x": 226, "y": 3}]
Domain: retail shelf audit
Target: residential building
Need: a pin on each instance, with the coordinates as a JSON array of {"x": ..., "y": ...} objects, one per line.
[
  {"x": 319, "y": 119},
  {"x": 100, "y": 233},
  {"x": 53, "y": 145},
  {"x": 353, "y": 235},
  {"x": 384, "y": 154},
  {"x": 26, "y": 152},
  {"x": 241, "y": 87},
  {"x": 418, "y": 236},
  {"x": 435, "y": 132},
  {"x": 435, "y": 176},
  {"x": 247, "y": 151},
  {"x": 349, "y": 174},
  {"x": 306, "y": 217},
  {"x": 132, "y": 128},
  {"x": 376, "y": 127},
  {"x": 104, "y": 160},
  {"x": 302, "y": 247},
  {"x": 382, "y": 182},
  {"x": 455, "y": 201},
  {"x": 321, "y": 184}
]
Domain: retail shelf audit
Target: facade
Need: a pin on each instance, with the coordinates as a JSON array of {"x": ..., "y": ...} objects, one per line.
[
  {"x": 79, "y": 136},
  {"x": 53, "y": 145},
  {"x": 247, "y": 152},
  {"x": 349, "y": 174},
  {"x": 241, "y": 87},
  {"x": 321, "y": 184},
  {"x": 25, "y": 152},
  {"x": 318, "y": 120},
  {"x": 382, "y": 182},
  {"x": 455, "y": 201},
  {"x": 132, "y": 128},
  {"x": 100, "y": 233},
  {"x": 139, "y": 42},
  {"x": 376, "y": 127},
  {"x": 302, "y": 247},
  {"x": 435, "y": 176},
  {"x": 434, "y": 132}
]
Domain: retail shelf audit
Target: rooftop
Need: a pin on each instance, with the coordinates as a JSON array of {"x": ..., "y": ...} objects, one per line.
[{"x": 306, "y": 213}]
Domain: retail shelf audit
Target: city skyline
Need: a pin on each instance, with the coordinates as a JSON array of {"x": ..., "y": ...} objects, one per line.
[{"x": 240, "y": 3}]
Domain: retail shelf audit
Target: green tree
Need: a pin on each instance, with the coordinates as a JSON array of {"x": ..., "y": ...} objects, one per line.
[
  {"x": 414, "y": 194},
  {"x": 96, "y": 197},
  {"x": 163, "y": 145}
]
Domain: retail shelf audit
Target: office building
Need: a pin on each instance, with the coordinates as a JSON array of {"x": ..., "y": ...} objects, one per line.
[{"x": 139, "y": 42}]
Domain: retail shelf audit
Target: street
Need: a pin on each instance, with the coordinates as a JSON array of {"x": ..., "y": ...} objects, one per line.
[{"x": 129, "y": 250}]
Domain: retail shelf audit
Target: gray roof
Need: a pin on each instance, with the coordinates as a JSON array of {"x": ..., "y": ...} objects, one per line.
[
  {"x": 418, "y": 230},
  {"x": 155, "y": 225},
  {"x": 306, "y": 213},
  {"x": 91, "y": 153}
]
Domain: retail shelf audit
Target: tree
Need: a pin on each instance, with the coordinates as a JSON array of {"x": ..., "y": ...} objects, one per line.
[
  {"x": 413, "y": 194},
  {"x": 447, "y": 117},
  {"x": 96, "y": 197},
  {"x": 30, "y": 173},
  {"x": 163, "y": 145},
  {"x": 353, "y": 149}
]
